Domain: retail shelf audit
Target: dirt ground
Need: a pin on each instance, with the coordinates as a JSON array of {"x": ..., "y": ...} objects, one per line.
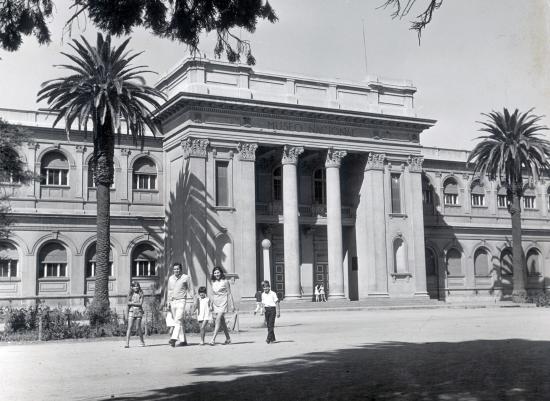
[{"x": 445, "y": 354}]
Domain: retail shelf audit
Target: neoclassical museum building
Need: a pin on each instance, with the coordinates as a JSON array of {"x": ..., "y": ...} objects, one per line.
[{"x": 293, "y": 179}]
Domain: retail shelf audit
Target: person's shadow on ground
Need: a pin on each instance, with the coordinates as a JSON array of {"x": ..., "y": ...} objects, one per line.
[{"x": 480, "y": 370}]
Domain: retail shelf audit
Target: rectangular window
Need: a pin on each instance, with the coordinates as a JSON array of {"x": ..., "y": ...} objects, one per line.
[
  {"x": 53, "y": 270},
  {"x": 145, "y": 181},
  {"x": 478, "y": 200},
  {"x": 144, "y": 268},
  {"x": 8, "y": 268},
  {"x": 52, "y": 176},
  {"x": 427, "y": 197},
  {"x": 222, "y": 183},
  {"x": 451, "y": 199},
  {"x": 90, "y": 271},
  {"x": 502, "y": 201},
  {"x": 529, "y": 202},
  {"x": 395, "y": 193}
]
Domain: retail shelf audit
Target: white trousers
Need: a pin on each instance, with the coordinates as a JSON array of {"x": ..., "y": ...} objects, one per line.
[{"x": 177, "y": 307}]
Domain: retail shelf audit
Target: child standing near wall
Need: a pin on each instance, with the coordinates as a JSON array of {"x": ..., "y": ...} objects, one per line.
[
  {"x": 135, "y": 312},
  {"x": 203, "y": 307}
]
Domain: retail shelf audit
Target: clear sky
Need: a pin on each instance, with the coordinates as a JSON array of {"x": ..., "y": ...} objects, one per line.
[{"x": 474, "y": 57}]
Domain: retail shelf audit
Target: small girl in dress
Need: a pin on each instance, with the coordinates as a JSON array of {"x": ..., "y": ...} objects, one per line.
[
  {"x": 135, "y": 312},
  {"x": 203, "y": 307},
  {"x": 317, "y": 293},
  {"x": 322, "y": 293}
]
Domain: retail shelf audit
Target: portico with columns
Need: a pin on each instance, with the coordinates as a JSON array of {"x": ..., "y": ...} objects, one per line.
[{"x": 301, "y": 189}]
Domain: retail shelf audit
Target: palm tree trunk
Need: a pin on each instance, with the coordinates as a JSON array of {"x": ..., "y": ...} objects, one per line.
[
  {"x": 517, "y": 249},
  {"x": 104, "y": 178}
]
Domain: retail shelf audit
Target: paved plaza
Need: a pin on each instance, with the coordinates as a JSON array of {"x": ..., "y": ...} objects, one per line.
[{"x": 436, "y": 354}]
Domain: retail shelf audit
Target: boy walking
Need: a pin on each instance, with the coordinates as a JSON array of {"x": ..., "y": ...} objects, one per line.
[{"x": 270, "y": 302}]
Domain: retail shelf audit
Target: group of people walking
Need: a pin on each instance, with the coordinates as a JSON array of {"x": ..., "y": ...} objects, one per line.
[{"x": 206, "y": 309}]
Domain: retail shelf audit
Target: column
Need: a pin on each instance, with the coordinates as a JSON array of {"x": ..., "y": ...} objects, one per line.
[
  {"x": 82, "y": 187},
  {"x": 414, "y": 192},
  {"x": 290, "y": 221},
  {"x": 245, "y": 203},
  {"x": 188, "y": 223},
  {"x": 334, "y": 224}
]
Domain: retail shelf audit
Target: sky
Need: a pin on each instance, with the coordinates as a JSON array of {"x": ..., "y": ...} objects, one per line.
[{"x": 474, "y": 57}]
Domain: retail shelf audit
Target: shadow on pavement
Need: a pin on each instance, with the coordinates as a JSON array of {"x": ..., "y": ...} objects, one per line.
[{"x": 500, "y": 370}]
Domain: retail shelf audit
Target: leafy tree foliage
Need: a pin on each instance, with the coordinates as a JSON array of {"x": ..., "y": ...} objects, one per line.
[
  {"x": 12, "y": 168},
  {"x": 106, "y": 89},
  {"x": 180, "y": 20},
  {"x": 511, "y": 150}
]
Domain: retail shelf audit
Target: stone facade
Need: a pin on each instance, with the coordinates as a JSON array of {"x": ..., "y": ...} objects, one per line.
[{"x": 296, "y": 180}]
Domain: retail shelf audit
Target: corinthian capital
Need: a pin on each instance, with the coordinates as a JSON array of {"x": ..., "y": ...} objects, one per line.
[
  {"x": 375, "y": 161},
  {"x": 291, "y": 153},
  {"x": 334, "y": 157},
  {"x": 247, "y": 151},
  {"x": 415, "y": 163},
  {"x": 193, "y": 147}
]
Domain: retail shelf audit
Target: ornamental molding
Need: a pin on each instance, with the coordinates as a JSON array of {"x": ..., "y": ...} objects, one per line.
[
  {"x": 415, "y": 163},
  {"x": 375, "y": 161},
  {"x": 247, "y": 151},
  {"x": 125, "y": 152},
  {"x": 194, "y": 147},
  {"x": 80, "y": 148},
  {"x": 334, "y": 157},
  {"x": 291, "y": 153}
]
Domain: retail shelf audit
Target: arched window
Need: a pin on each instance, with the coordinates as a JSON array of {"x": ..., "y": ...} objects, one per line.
[
  {"x": 454, "y": 262},
  {"x": 502, "y": 200},
  {"x": 54, "y": 169},
  {"x": 481, "y": 262},
  {"x": 399, "y": 257},
  {"x": 320, "y": 186},
  {"x": 144, "y": 261},
  {"x": 145, "y": 174},
  {"x": 8, "y": 260},
  {"x": 450, "y": 192},
  {"x": 529, "y": 198},
  {"x": 91, "y": 262},
  {"x": 277, "y": 184},
  {"x": 427, "y": 191},
  {"x": 431, "y": 262},
  {"x": 52, "y": 261},
  {"x": 533, "y": 260},
  {"x": 477, "y": 194},
  {"x": 506, "y": 263}
]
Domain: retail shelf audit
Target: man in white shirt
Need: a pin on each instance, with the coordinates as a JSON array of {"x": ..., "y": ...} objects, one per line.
[
  {"x": 270, "y": 301},
  {"x": 179, "y": 285}
]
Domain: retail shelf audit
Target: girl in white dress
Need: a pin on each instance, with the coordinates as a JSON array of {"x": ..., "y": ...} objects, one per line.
[
  {"x": 203, "y": 307},
  {"x": 317, "y": 293}
]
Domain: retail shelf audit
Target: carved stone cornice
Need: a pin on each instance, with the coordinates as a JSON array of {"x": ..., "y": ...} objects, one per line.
[
  {"x": 125, "y": 152},
  {"x": 80, "y": 148},
  {"x": 195, "y": 147},
  {"x": 375, "y": 161},
  {"x": 415, "y": 163},
  {"x": 247, "y": 151},
  {"x": 291, "y": 153},
  {"x": 334, "y": 157}
]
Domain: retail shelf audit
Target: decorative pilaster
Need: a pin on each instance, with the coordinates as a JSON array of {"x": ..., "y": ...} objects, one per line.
[
  {"x": 247, "y": 151},
  {"x": 334, "y": 224},
  {"x": 415, "y": 163},
  {"x": 290, "y": 221},
  {"x": 195, "y": 147},
  {"x": 127, "y": 184},
  {"x": 375, "y": 161},
  {"x": 81, "y": 184}
]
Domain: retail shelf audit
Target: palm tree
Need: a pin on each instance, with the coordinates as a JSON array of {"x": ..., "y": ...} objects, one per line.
[
  {"x": 106, "y": 89},
  {"x": 512, "y": 149}
]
